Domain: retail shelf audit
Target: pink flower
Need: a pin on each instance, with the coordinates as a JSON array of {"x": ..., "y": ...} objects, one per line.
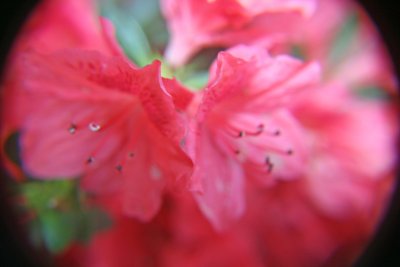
[
  {"x": 341, "y": 36},
  {"x": 243, "y": 128},
  {"x": 58, "y": 24},
  {"x": 54, "y": 25},
  {"x": 196, "y": 24},
  {"x": 346, "y": 182},
  {"x": 128, "y": 243},
  {"x": 85, "y": 114},
  {"x": 180, "y": 235},
  {"x": 322, "y": 218},
  {"x": 351, "y": 148},
  {"x": 281, "y": 167}
]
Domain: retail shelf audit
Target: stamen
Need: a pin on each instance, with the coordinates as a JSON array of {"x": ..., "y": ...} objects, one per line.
[
  {"x": 94, "y": 127},
  {"x": 289, "y": 152},
  {"x": 131, "y": 154},
  {"x": 260, "y": 129},
  {"x": 118, "y": 168},
  {"x": 269, "y": 164},
  {"x": 277, "y": 132},
  {"x": 72, "y": 128},
  {"x": 90, "y": 160}
]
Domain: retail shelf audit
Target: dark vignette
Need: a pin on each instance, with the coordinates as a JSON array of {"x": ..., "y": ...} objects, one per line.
[
  {"x": 384, "y": 249},
  {"x": 15, "y": 250}
]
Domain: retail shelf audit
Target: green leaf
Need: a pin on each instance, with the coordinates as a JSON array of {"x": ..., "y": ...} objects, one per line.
[
  {"x": 130, "y": 36},
  {"x": 139, "y": 26},
  {"x": 372, "y": 93},
  {"x": 343, "y": 39},
  {"x": 58, "y": 229},
  {"x": 45, "y": 195},
  {"x": 147, "y": 13},
  {"x": 92, "y": 221},
  {"x": 35, "y": 233},
  {"x": 195, "y": 74},
  {"x": 62, "y": 214},
  {"x": 197, "y": 80}
]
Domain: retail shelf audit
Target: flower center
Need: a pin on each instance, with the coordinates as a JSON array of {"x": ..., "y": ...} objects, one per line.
[{"x": 256, "y": 143}]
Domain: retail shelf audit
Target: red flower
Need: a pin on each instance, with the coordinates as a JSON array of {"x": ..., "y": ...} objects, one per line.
[
  {"x": 54, "y": 25},
  {"x": 304, "y": 211},
  {"x": 243, "y": 128},
  {"x": 195, "y": 24},
  {"x": 351, "y": 148},
  {"x": 67, "y": 24},
  {"x": 283, "y": 167},
  {"x": 344, "y": 40},
  {"x": 180, "y": 235},
  {"x": 84, "y": 114}
]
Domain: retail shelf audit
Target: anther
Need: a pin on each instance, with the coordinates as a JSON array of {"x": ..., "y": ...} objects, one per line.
[
  {"x": 118, "y": 168},
  {"x": 260, "y": 129},
  {"x": 289, "y": 152},
  {"x": 277, "y": 133},
  {"x": 94, "y": 127},
  {"x": 72, "y": 128},
  {"x": 131, "y": 154},
  {"x": 269, "y": 164},
  {"x": 90, "y": 160}
]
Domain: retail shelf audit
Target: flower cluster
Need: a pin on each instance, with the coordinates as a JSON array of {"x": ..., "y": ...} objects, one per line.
[{"x": 284, "y": 157}]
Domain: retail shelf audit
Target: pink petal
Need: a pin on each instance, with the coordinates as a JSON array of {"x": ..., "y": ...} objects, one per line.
[
  {"x": 194, "y": 25},
  {"x": 243, "y": 125},
  {"x": 182, "y": 96},
  {"x": 104, "y": 120},
  {"x": 57, "y": 25},
  {"x": 222, "y": 186},
  {"x": 351, "y": 148}
]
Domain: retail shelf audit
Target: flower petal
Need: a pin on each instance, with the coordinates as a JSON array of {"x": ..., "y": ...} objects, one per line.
[
  {"x": 221, "y": 198},
  {"x": 197, "y": 24},
  {"x": 58, "y": 25},
  {"x": 104, "y": 120}
]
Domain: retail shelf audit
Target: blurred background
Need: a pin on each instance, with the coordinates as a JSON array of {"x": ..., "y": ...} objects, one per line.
[{"x": 15, "y": 251}]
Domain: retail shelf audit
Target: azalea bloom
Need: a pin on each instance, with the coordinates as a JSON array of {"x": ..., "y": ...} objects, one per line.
[
  {"x": 67, "y": 24},
  {"x": 103, "y": 119},
  {"x": 278, "y": 159},
  {"x": 346, "y": 44},
  {"x": 313, "y": 197},
  {"x": 242, "y": 128},
  {"x": 55, "y": 25},
  {"x": 181, "y": 236},
  {"x": 194, "y": 24},
  {"x": 336, "y": 123}
]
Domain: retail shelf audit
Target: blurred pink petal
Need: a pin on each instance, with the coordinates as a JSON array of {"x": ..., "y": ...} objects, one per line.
[
  {"x": 196, "y": 24},
  {"x": 242, "y": 120},
  {"x": 362, "y": 59},
  {"x": 58, "y": 24},
  {"x": 53, "y": 25},
  {"x": 84, "y": 114},
  {"x": 351, "y": 147}
]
